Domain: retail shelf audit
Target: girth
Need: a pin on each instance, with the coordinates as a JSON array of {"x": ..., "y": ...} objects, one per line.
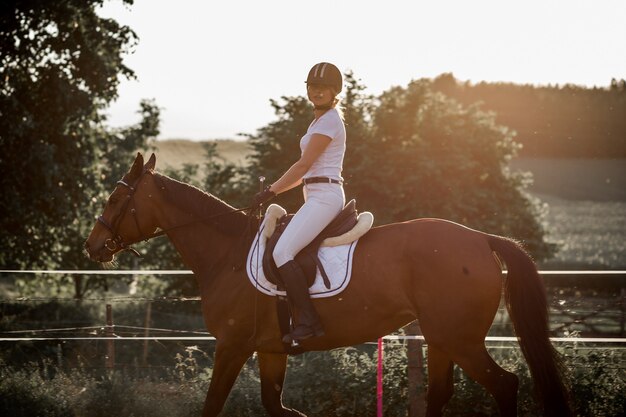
[{"x": 307, "y": 258}]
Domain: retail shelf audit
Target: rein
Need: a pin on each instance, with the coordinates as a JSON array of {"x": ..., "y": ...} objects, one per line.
[
  {"x": 204, "y": 219},
  {"x": 117, "y": 241}
]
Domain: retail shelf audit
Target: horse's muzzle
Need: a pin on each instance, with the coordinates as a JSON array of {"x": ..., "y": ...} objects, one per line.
[{"x": 101, "y": 255}]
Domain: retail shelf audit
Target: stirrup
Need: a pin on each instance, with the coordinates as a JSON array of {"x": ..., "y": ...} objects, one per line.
[{"x": 313, "y": 331}]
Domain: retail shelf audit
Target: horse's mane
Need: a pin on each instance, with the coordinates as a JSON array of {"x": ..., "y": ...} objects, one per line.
[{"x": 202, "y": 205}]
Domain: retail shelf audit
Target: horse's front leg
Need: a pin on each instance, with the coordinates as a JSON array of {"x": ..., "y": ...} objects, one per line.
[
  {"x": 228, "y": 363},
  {"x": 272, "y": 367}
]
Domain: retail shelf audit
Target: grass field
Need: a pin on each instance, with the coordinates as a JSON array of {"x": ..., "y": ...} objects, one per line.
[
  {"x": 177, "y": 152},
  {"x": 587, "y": 209},
  {"x": 586, "y": 198}
]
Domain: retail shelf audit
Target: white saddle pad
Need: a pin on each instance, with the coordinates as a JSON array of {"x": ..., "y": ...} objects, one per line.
[{"x": 337, "y": 262}]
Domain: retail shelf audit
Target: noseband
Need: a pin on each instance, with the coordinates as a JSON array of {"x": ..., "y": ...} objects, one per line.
[{"x": 117, "y": 241}]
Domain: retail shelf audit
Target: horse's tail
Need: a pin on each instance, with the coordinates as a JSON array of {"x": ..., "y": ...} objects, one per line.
[{"x": 528, "y": 308}]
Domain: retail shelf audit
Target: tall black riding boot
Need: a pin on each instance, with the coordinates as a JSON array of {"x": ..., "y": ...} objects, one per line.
[{"x": 309, "y": 323}]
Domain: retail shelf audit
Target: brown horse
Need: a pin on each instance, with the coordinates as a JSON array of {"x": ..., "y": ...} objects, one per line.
[{"x": 441, "y": 273}]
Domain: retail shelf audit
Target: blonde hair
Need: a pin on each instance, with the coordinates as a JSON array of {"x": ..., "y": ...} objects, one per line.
[{"x": 337, "y": 105}]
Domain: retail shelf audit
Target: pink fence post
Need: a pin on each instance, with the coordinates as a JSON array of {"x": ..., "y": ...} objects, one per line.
[{"x": 379, "y": 380}]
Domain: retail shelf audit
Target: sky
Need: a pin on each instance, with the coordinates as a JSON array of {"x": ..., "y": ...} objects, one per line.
[{"x": 213, "y": 66}]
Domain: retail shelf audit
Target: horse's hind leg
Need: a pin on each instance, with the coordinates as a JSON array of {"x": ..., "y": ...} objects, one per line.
[
  {"x": 272, "y": 367},
  {"x": 440, "y": 381},
  {"x": 478, "y": 364}
]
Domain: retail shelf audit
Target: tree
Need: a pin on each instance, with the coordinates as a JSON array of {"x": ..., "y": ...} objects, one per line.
[
  {"x": 442, "y": 159},
  {"x": 413, "y": 152},
  {"x": 228, "y": 181},
  {"x": 60, "y": 66},
  {"x": 552, "y": 121}
]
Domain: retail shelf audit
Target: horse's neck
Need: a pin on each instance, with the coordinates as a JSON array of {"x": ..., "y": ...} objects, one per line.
[{"x": 203, "y": 248}]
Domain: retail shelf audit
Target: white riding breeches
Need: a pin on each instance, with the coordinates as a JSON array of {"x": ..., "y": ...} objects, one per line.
[{"x": 322, "y": 203}]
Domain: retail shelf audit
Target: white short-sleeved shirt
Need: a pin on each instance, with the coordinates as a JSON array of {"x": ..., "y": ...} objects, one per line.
[{"x": 330, "y": 162}]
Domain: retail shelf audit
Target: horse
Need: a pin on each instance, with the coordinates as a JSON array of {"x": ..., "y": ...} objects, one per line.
[{"x": 445, "y": 275}]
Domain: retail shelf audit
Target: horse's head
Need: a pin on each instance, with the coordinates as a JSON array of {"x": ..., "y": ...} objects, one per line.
[{"x": 128, "y": 215}]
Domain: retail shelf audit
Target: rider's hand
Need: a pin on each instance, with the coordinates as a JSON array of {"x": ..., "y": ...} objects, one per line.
[{"x": 262, "y": 197}]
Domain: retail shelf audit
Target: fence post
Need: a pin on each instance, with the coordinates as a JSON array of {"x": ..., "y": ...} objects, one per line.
[
  {"x": 622, "y": 322},
  {"x": 147, "y": 333},
  {"x": 379, "y": 378},
  {"x": 415, "y": 371},
  {"x": 110, "y": 356}
]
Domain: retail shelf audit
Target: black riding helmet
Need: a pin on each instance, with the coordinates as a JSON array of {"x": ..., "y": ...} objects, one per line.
[{"x": 326, "y": 73}]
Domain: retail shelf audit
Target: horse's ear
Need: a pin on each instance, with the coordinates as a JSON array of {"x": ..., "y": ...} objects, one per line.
[
  {"x": 136, "y": 169},
  {"x": 151, "y": 163}
]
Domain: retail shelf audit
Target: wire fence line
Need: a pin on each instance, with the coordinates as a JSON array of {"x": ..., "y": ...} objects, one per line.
[
  {"x": 115, "y": 299},
  {"x": 572, "y": 340},
  {"x": 205, "y": 336},
  {"x": 102, "y": 327},
  {"x": 611, "y": 274},
  {"x": 189, "y": 272},
  {"x": 97, "y": 271}
]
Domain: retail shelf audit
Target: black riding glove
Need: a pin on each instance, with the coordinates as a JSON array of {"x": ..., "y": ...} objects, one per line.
[{"x": 263, "y": 197}]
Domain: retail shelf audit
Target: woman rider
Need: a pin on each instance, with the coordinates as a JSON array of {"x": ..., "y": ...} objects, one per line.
[{"x": 319, "y": 169}]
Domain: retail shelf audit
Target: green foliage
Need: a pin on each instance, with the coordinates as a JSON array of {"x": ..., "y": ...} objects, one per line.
[
  {"x": 339, "y": 383},
  {"x": 445, "y": 160},
  {"x": 552, "y": 121},
  {"x": 224, "y": 179},
  {"x": 60, "y": 63},
  {"x": 598, "y": 389},
  {"x": 60, "y": 66},
  {"x": 27, "y": 393}
]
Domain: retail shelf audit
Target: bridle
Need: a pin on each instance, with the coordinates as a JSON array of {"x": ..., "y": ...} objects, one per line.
[{"x": 116, "y": 242}]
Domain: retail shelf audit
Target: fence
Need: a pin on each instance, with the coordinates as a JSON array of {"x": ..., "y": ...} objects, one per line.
[
  {"x": 570, "y": 279},
  {"x": 587, "y": 319}
]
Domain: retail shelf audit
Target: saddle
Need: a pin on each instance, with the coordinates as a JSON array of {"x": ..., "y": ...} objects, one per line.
[{"x": 307, "y": 258}]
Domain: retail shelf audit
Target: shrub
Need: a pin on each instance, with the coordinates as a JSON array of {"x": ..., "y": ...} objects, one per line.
[
  {"x": 340, "y": 383},
  {"x": 30, "y": 393}
]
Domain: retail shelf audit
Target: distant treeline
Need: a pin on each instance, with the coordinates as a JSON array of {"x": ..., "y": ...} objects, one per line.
[{"x": 552, "y": 121}]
